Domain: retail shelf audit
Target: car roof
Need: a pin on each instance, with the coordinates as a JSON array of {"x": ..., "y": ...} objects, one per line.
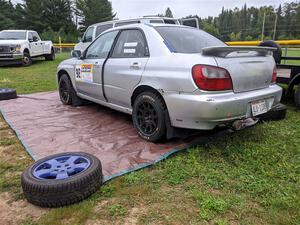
[{"x": 19, "y": 30}]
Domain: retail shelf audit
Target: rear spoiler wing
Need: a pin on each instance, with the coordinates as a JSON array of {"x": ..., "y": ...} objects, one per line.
[{"x": 224, "y": 51}]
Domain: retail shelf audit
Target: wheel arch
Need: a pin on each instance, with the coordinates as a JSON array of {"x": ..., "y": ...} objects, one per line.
[
  {"x": 26, "y": 50},
  {"x": 60, "y": 73},
  {"x": 143, "y": 88}
]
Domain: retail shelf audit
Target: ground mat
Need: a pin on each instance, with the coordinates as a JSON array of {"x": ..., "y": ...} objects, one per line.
[{"x": 46, "y": 127}]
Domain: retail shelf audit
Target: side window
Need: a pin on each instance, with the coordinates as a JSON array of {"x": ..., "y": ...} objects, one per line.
[
  {"x": 101, "y": 28},
  {"x": 35, "y": 36},
  {"x": 101, "y": 47},
  {"x": 88, "y": 36},
  {"x": 126, "y": 23},
  {"x": 30, "y": 36},
  {"x": 156, "y": 21},
  {"x": 168, "y": 21},
  {"x": 130, "y": 44}
]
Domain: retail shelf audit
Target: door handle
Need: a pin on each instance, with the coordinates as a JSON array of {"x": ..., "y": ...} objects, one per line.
[{"x": 135, "y": 65}]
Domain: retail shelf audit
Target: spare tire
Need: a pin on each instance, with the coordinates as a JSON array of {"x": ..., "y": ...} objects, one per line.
[
  {"x": 7, "y": 93},
  {"x": 62, "y": 179},
  {"x": 277, "y": 53}
]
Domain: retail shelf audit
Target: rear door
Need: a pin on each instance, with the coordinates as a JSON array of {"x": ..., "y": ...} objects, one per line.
[
  {"x": 123, "y": 70},
  {"x": 88, "y": 71}
]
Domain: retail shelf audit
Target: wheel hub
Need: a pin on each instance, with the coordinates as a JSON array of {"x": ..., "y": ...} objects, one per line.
[{"x": 61, "y": 167}]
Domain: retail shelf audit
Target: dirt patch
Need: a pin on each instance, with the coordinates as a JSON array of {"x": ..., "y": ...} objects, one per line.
[
  {"x": 14, "y": 212},
  {"x": 134, "y": 215}
]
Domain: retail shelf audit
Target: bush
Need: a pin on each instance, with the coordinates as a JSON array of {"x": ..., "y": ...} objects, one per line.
[{"x": 49, "y": 34}]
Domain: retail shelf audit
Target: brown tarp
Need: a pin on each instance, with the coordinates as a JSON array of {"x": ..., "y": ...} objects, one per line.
[{"x": 46, "y": 127}]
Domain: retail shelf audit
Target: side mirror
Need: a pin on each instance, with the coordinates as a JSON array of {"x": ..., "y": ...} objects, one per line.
[
  {"x": 79, "y": 39},
  {"x": 76, "y": 54},
  {"x": 35, "y": 39},
  {"x": 30, "y": 39}
]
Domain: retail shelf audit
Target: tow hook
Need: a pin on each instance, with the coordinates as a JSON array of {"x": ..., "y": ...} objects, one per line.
[{"x": 242, "y": 124}]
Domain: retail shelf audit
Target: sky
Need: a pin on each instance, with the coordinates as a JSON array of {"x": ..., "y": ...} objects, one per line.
[{"x": 180, "y": 8}]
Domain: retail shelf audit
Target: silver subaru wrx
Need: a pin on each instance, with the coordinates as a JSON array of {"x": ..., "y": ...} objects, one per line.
[{"x": 171, "y": 76}]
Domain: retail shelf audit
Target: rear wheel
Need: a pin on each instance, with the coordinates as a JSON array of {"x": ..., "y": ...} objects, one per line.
[
  {"x": 26, "y": 61},
  {"x": 50, "y": 56},
  {"x": 297, "y": 97},
  {"x": 67, "y": 93},
  {"x": 149, "y": 116}
]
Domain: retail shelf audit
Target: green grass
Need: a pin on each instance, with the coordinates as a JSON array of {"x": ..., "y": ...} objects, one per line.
[
  {"x": 291, "y": 52},
  {"x": 248, "y": 177},
  {"x": 40, "y": 76}
]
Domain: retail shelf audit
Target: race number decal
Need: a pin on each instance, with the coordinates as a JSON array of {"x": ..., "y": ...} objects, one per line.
[{"x": 84, "y": 73}]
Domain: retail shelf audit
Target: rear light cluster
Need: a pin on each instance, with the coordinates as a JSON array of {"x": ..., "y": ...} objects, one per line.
[
  {"x": 211, "y": 78},
  {"x": 274, "y": 75}
]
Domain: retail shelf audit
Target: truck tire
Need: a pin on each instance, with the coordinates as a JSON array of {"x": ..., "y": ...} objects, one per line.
[
  {"x": 67, "y": 93},
  {"x": 26, "y": 61},
  {"x": 7, "y": 93},
  {"x": 149, "y": 116},
  {"x": 276, "y": 113},
  {"x": 297, "y": 97},
  {"x": 62, "y": 179},
  {"x": 51, "y": 56},
  {"x": 276, "y": 54}
]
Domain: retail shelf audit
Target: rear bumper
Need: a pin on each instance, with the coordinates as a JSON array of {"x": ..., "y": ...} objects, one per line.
[
  {"x": 205, "y": 111},
  {"x": 10, "y": 58}
]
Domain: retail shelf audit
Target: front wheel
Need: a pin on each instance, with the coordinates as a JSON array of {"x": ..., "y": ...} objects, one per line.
[
  {"x": 67, "y": 93},
  {"x": 149, "y": 116},
  {"x": 26, "y": 61}
]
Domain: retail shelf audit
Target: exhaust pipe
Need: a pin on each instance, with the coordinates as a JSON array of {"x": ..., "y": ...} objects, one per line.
[{"x": 244, "y": 123}]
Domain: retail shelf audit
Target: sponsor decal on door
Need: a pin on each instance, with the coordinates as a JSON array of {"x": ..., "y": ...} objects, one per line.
[{"x": 84, "y": 73}]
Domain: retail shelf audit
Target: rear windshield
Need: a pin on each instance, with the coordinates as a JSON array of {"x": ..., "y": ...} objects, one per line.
[
  {"x": 187, "y": 40},
  {"x": 12, "y": 35}
]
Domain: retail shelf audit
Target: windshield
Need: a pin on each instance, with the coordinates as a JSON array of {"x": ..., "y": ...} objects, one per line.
[
  {"x": 187, "y": 40},
  {"x": 12, "y": 35}
]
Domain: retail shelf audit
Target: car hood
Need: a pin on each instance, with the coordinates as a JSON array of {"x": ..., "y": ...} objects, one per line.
[{"x": 12, "y": 42}]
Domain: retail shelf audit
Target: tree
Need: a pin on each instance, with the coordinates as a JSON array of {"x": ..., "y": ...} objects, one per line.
[
  {"x": 168, "y": 13},
  {"x": 6, "y": 15},
  {"x": 33, "y": 15},
  {"x": 57, "y": 15},
  {"x": 93, "y": 11}
]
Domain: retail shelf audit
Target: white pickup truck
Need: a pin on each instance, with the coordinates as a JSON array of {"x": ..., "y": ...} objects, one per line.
[{"x": 20, "y": 46}]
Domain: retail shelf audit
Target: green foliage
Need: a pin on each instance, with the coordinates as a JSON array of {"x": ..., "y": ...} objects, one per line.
[
  {"x": 7, "y": 14},
  {"x": 210, "y": 28},
  {"x": 116, "y": 210},
  {"x": 93, "y": 11}
]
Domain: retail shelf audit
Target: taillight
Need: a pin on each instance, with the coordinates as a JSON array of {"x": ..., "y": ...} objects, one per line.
[
  {"x": 274, "y": 75},
  {"x": 211, "y": 78}
]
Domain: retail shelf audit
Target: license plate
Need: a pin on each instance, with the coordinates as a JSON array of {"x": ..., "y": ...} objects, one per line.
[{"x": 259, "y": 107}]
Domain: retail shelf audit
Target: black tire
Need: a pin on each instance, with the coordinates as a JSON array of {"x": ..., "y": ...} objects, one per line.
[
  {"x": 58, "y": 193},
  {"x": 67, "y": 93},
  {"x": 50, "y": 56},
  {"x": 276, "y": 54},
  {"x": 149, "y": 116},
  {"x": 297, "y": 97},
  {"x": 276, "y": 113},
  {"x": 7, "y": 93},
  {"x": 26, "y": 61}
]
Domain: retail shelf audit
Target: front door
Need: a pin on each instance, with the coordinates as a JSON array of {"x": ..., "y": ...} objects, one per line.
[
  {"x": 123, "y": 70},
  {"x": 88, "y": 71},
  {"x": 34, "y": 45}
]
